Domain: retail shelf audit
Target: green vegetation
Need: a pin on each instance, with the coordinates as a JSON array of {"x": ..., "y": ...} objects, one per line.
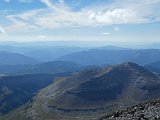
[{"x": 92, "y": 93}]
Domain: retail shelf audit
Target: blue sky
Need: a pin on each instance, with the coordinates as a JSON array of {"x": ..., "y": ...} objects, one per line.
[{"x": 107, "y": 21}]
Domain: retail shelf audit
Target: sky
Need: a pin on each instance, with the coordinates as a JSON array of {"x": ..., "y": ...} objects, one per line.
[{"x": 101, "y": 21}]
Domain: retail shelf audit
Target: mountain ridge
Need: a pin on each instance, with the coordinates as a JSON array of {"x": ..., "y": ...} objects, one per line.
[
  {"x": 18, "y": 89},
  {"x": 9, "y": 58},
  {"x": 93, "y": 92},
  {"x": 102, "y": 56},
  {"x": 44, "y": 67}
]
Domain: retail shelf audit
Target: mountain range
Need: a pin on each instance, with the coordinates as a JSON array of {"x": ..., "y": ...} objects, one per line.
[
  {"x": 91, "y": 93},
  {"x": 154, "y": 67},
  {"x": 45, "y": 67},
  {"x": 42, "y": 53},
  {"x": 11, "y": 55},
  {"x": 102, "y": 56},
  {"x": 74, "y": 83},
  {"x": 10, "y": 58},
  {"x": 17, "y": 90}
]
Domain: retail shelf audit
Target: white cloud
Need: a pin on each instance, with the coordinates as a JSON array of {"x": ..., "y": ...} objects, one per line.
[
  {"x": 18, "y": 25},
  {"x": 106, "y": 33},
  {"x": 117, "y": 16},
  {"x": 41, "y": 36},
  {"x": 60, "y": 15},
  {"x": 50, "y": 5},
  {"x": 2, "y": 30},
  {"x": 61, "y": 1}
]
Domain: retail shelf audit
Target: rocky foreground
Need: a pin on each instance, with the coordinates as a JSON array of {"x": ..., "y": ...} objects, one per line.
[{"x": 146, "y": 111}]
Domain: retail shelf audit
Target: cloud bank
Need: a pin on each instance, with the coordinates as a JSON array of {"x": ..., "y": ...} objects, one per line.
[
  {"x": 58, "y": 15},
  {"x": 114, "y": 21}
]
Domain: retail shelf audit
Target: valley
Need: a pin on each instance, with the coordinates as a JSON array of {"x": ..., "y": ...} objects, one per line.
[
  {"x": 17, "y": 90},
  {"x": 71, "y": 90},
  {"x": 79, "y": 59},
  {"x": 92, "y": 93}
]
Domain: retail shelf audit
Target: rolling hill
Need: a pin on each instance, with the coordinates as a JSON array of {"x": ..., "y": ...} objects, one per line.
[
  {"x": 101, "y": 56},
  {"x": 154, "y": 67},
  {"x": 51, "y": 53},
  {"x": 154, "y": 64},
  {"x": 8, "y": 58},
  {"x": 46, "y": 67}
]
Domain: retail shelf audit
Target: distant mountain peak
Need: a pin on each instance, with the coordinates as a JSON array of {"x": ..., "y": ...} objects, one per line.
[
  {"x": 137, "y": 68},
  {"x": 130, "y": 64}
]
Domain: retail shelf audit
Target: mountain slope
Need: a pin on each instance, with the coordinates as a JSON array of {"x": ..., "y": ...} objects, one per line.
[
  {"x": 154, "y": 64},
  {"x": 46, "y": 67},
  {"x": 52, "y": 67},
  {"x": 100, "y": 56},
  {"x": 111, "y": 48},
  {"x": 17, "y": 90},
  {"x": 51, "y": 53},
  {"x": 154, "y": 67},
  {"x": 9, "y": 58},
  {"x": 93, "y": 92},
  {"x": 149, "y": 110}
]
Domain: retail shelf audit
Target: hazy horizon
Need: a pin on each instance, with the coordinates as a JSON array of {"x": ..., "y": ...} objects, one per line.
[
  {"x": 78, "y": 44},
  {"x": 103, "y": 22}
]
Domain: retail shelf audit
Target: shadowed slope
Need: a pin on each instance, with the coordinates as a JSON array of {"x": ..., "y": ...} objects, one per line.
[{"x": 92, "y": 92}]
